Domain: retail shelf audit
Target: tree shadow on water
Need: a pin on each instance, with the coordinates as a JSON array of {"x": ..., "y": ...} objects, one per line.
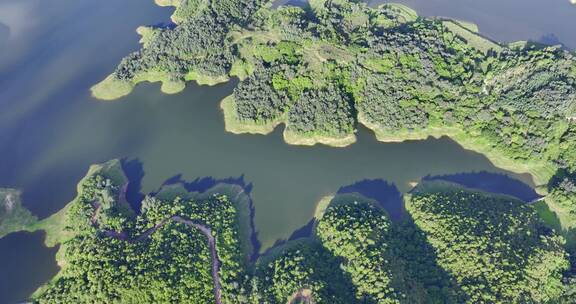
[
  {"x": 415, "y": 269},
  {"x": 491, "y": 182},
  {"x": 134, "y": 171},
  {"x": 203, "y": 184},
  {"x": 386, "y": 194}
]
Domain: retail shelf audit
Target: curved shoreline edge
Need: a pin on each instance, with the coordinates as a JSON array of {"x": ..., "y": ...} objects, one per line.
[
  {"x": 233, "y": 125},
  {"x": 541, "y": 172},
  {"x": 57, "y": 234},
  {"x": 111, "y": 89}
]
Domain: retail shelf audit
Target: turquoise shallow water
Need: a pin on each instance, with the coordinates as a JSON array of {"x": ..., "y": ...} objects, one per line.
[{"x": 51, "y": 130}]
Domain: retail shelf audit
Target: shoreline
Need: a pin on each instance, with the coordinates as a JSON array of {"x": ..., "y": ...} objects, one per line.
[
  {"x": 112, "y": 89},
  {"x": 540, "y": 172},
  {"x": 233, "y": 125}
]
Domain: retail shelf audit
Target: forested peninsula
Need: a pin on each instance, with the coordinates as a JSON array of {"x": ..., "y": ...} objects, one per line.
[
  {"x": 323, "y": 69},
  {"x": 456, "y": 245}
]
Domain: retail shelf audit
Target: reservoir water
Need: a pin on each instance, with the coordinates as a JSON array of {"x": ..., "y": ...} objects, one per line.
[{"x": 51, "y": 130}]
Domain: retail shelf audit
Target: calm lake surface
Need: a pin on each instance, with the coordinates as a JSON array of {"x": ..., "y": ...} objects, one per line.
[{"x": 51, "y": 130}]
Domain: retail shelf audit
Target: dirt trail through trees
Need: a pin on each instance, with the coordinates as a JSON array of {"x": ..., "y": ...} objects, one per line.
[{"x": 204, "y": 229}]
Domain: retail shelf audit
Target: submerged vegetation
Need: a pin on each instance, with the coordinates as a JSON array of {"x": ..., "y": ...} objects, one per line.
[
  {"x": 13, "y": 216},
  {"x": 455, "y": 246}
]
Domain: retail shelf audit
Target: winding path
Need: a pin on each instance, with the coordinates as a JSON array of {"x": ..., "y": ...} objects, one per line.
[{"x": 203, "y": 228}]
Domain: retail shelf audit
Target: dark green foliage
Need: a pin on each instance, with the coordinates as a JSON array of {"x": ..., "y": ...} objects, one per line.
[
  {"x": 257, "y": 100},
  {"x": 462, "y": 246},
  {"x": 496, "y": 248},
  {"x": 233, "y": 11},
  {"x": 388, "y": 105},
  {"x": 397, "y": 72},
  {"x": 424, "y": 280},
  {"x": 305, "y": 266},
  {"x": 198, "y": 44},
  {"x": 562, "y": 191},
  {"x": 134, "y": 264},
  {"x": 326, "y": 111},
  {"x": 359, "y": 233}
]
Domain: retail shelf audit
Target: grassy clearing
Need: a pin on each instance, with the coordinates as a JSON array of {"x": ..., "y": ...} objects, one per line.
[
  {"x": 174, "y": 3},
  {"x": 547, "y": 215},
  {"x": 563, "y": 216},
  {"x": 470, "y": 26},
  {"x": 146, "y": 33},
  {"x": 204, "y": 79},
  {"x": 404, "y": 13},
  {"x": 169, "y": 86},
  {"x": 558, "y": 219},
  {"x": 111, "y": 88},
  {"x": 470, "y": 35},
  {"x": 322, "y": 205},
  {"x": 233, "y": 125},
  {"x": 293, "y": 138},
  {"x": 242, "y": 69}
]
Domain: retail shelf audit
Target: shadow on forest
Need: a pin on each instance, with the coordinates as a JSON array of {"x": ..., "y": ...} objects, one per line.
[
  {"x": 413, "y": 258},
  {"x": 415, "y": 262},
  {"x": 491, "y": 182},
  {"x": 415, "y": 270}
]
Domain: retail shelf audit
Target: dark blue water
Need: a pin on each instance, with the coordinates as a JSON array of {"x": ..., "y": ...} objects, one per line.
[{"x": 25, "y": 264}]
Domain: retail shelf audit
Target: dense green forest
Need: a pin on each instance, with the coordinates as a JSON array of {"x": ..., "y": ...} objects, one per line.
[
  {"x": 510, "y": 255},
  {"x": 455, "y": 245},
  {"x": 324, "y": 68}
]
